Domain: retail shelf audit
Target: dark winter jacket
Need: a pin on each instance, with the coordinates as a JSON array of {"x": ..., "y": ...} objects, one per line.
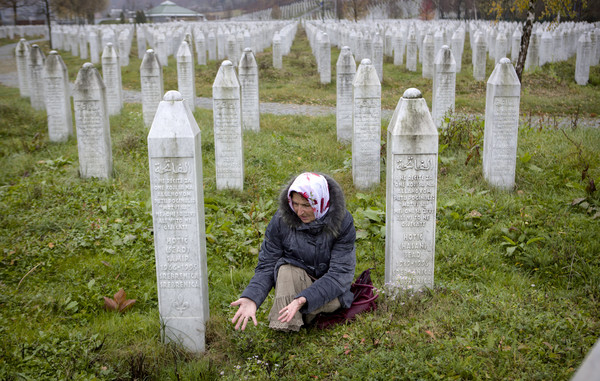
[{"x": 324, "y": 248}]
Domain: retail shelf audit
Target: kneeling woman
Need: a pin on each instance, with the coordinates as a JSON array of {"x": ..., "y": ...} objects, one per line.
[{"x": 308, "y": 255}]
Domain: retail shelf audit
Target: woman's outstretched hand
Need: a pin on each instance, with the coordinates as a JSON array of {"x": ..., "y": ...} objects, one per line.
[
  {"x": 246, "y": 311},
  {"x": 287, "y": 313}
]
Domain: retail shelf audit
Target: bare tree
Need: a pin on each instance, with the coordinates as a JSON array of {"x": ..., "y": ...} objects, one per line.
[
  {"x": 355, "y": 9},
  {"x": 15, "y": 5},
  {"x": 81, "y": 9}
]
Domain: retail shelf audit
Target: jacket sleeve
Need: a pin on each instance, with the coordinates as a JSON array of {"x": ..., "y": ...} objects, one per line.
[
  {"x": 264, "y": 274},
  {"x": 337, "y": 280}
]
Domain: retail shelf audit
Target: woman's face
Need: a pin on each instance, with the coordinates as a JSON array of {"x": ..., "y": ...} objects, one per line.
[{"x": 302, "y": 208}]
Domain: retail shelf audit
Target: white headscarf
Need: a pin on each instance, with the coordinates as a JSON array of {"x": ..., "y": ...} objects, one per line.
[{"x": 314, "y": 188}]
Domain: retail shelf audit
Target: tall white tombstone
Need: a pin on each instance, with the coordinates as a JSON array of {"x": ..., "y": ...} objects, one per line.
[
  {"x": 480, "y": 58},
  {"x": 248, "y": 73},
  {"x": 277, "y": 52},
  {"x": 457, "y": 42},
  {"x": 175, "y": 155},
  {"x": 378, "y": 55},
  {"x": 111, "y": 70},
  {"x": 200, "y": 47},
  {"x": 83, "y": 44},
  {"x": 91, "y": 121},
  {"x": 366, "y": 138},
  {"x": 345, "y": 69},
  {"x": 152, "y": 85},
  {"x": 515, "y": 45},
  {"x": 501, "y": 126},
  {"x": 428, "y": 56},
  {"x": 94, "y": 50},
  {"x": 398, "y": 48},
  {"x": 411, "y": 50},
  {"x": 411, "y": 191},
  {"x": 582, "y": 62},
  {"x": 36, "y": 80},
  {"x": 22, "y": 56},
  {"x": 141, "y": 41},
  {"x": 533, "y": 52},
  {"x": 212, "y": 46},
  {"x": 229, "y": 154},
  {"x": 325, "y": 59},
  {"x": 444, "y": 85},
  {"x": 501, "y": 47},
  {"x": 58, "y": 98},
  {"x": 185, "y": 75}
]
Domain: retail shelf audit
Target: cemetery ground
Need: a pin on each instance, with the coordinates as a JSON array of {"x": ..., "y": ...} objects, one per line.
[{"x": 517, "y": 276}]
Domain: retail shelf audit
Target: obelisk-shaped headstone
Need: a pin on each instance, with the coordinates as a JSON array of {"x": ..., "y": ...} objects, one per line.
[
  {"x": 58, "y": 98},
  {"x": 111, "y": 71},
  {"x": 174, "y": 151},
  {"x": 411, "y": 50},
  {"x": 22, "y": 56},
  {"x": 345, "y": 69},
  {"x": 91, "y": 121},
  {"x": 248, "y": 72},
  {"x": 428, "y": 56},
  {"x": 325, "y": 59},
  {"x": 582, "y": 61},
  {"x": 277, "y": 52},
  {"x": 480, "y": 58},
  {"x": 444, "y": 85},
  {"x": 151, "y": 82},
  {"x": 378, "y": 55},
  {"x": 411, "y": 190},
  {"x": 185, "y": 75},
  {"x": 36, "y": 80},
  {"x": 229, "y": 156},
  {"x": 501, "y": 126},
  {"x": 366, "y": 139}
]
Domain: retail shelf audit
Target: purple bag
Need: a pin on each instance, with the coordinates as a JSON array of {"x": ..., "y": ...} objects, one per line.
[{"x": 364, "y": 301}]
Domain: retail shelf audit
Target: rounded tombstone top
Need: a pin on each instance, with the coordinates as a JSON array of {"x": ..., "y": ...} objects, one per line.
[
  {"x": 88, "y": 65},
  {"x": 150, "y": 51},
  {"x": 109, "y": 44},
  {"x": 35, "y": 46},
  {"x": 412, "y": 93},
  {"x": 504, "y": 61},
  {"x": 24, "y": 40},
  {"x": 173, "y": 96},
  {"x": 226, "y": 63},
  {"x": 445, "y": 47},
  {"x": 53, "y": 52},
  {"x": 345, "y": 47},
  {"x": 247, "y": 50},
  {"x": 365, "y": 61}
]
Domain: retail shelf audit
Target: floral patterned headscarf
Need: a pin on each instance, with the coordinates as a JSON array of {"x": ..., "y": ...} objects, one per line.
[{"x": 314, "y": 188}]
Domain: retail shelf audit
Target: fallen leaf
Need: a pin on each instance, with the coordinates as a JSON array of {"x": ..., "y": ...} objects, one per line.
[
  {"x": 548, "y": 345},
  {"x": 51, "y": 245},
  {"x": 110, "y": 304},
  {"x": 430, "y": 334},
  {"x": 347, "y": 352},
  {"x": 106, "y": 264}
]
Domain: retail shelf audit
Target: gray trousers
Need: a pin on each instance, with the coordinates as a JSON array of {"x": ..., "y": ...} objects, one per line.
[{"x": 291, "y": 280}]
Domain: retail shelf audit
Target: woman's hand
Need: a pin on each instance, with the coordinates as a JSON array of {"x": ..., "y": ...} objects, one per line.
[
  {"x": 287, "y": 313},
  {"x": 247, "y": 310}
]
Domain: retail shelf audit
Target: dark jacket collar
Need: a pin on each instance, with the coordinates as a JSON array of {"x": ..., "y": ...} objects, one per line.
[{"x": 330, "y": 222}]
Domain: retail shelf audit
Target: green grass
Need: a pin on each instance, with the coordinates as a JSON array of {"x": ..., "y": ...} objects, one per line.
[
  {"x": 517, "y": 275},
  {"x": 550, "y": 90}
]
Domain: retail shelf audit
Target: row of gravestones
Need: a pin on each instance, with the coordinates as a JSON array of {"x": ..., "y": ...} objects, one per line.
[
  {"x": 23, "y": 31},
  {"x": 174, "y": 146},
  {"x": 210, "y": 40},
  {"x": 236, "y": 103},
  {"x": 176, "y": 175},
  {"x": 420, "y": 41}
]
